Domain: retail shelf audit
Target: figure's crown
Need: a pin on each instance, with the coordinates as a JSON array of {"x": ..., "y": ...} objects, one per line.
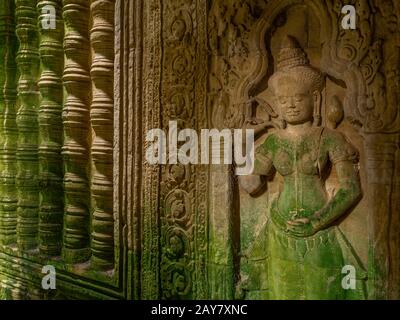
[{"x": 291, "y": 54}]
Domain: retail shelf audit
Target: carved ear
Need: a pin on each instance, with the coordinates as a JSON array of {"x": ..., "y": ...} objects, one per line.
[
  {"x": 278, "y": 111},
  {"x": 317, "y": 107}
]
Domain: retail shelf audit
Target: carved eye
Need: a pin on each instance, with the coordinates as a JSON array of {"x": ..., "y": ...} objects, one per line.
[
  {"x": 298, "y": 98},
  {"x": 282, "y": 100}
]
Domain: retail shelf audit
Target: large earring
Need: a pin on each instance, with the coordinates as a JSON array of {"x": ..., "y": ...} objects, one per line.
[{"x": 317, "y": 108}]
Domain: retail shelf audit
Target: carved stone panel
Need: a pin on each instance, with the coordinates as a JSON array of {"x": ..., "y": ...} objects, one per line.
[
  {"x": 358, "y": 101},
  {"x": 77, "y": 192}
]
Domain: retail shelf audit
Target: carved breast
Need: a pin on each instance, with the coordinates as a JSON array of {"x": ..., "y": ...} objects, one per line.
[
  {"x": 284, "y": 162},
  {"x": 308, "y": 164},
  {"x": 303, "y": 156}
]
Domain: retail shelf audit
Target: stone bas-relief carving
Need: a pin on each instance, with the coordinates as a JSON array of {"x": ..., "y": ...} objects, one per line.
[
  {"x": 304, "y": 251},
  {"x": 357, "y": 103},
  {"x": 116, "y": 227}
]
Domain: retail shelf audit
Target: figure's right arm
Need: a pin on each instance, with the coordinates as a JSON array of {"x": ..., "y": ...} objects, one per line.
[{"x": 263, "y": 166}]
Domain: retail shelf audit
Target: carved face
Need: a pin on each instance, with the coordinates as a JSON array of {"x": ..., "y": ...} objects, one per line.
[{"x": 295, "y": 100}]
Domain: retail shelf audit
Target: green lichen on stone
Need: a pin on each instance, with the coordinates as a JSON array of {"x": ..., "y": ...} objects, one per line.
[
  {"x": 27, "y": 123},
  {"x": 50, "y": 133}
]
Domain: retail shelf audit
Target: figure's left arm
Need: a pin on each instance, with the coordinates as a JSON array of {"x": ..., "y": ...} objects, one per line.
[
  {"x": 348, "y": 194},
  {"x": 344, "y": 158}
]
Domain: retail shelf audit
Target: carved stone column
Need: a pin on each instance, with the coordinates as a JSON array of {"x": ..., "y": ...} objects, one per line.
[
  {"x": 50, "y": 132},
  {"x": 76, "y": 131},
  {"x": 102, "y": 41},
  {"x": 27, "y": 123},
  {"x": 8, "y": 127}
]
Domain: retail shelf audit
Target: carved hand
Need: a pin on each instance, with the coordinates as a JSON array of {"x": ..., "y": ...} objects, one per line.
[
  {"x": 303, "y": 227},
  {"x": 258, "y": 125}
]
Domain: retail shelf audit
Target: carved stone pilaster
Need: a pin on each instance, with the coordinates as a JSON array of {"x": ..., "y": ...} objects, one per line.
[
  {"x": 380, "y": 165},
  {"x": 8, "y": 130},
  {"x": 76, "y": 131},
  {"x": 394, "y": 276},
  {"x": 221, "y": 221},
  {"x": 149, "y": 221},
  {"x": 50, "y": 133},
  {"x": 183, "y": 193},
  {"x": 102, "y": 41},
  {"x": 129, "y": 119},
  {"x": 27, "y": 123},
  {"x": 177, "y": 181}
]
